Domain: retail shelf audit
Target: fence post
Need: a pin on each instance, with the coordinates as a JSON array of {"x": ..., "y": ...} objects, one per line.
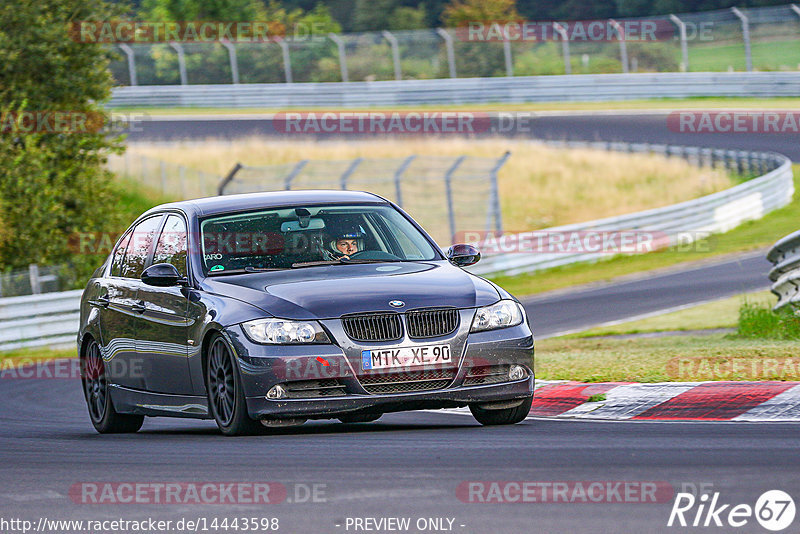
[
  {"x": 398, "y": 174},
  {"x": 228, "y": 178},
  {"x": 287, "y": 61},
  {"x": 181, "y": 62},
  {"x": 507, "y": 56},
  {"x": 623, "y": 47},
  {"x": 748, "y": 57},
  {"x": 182, "y": 175},
  {"x": 398, "y": 75},
  {"x": 346, "y": 174},
  {"x": 232, "y": 59},
  {"x": 287, "y": 182},
  {"x": 131, "y": 62},
  {"x": 564, "y": 46},
  {"x": 494, "y": 199},
  {"x": 451, "y": 54},
  {"x": 342, "y": 55},
  {"x": 33, "y": 275},
  {"x": 448, "y": 186},
  {"x": 684, "y": 45}
]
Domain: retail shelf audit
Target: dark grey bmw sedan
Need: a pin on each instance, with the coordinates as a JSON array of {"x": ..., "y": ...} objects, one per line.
[{"x": 273, "y": 308}]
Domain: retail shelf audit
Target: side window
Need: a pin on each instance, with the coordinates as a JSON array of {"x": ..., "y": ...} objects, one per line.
[
  {"x": 141, "y": 239},
  {"x": 119, "y": 256},
  {"x": 171, "y": 247}
]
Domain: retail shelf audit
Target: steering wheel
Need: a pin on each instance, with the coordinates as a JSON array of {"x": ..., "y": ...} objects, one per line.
[{"x": 373, "y": 255}]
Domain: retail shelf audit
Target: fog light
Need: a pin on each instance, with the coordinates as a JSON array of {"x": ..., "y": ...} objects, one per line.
[
  {"x": 517, "y": 372},
  {"x": 277, "y": 392}
]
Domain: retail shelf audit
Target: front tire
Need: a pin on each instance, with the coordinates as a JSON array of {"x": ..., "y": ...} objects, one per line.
[
  {"x": 505, "y": 416},
  {"x": 225, "y": 392},
  {"x": 104, "y": 417}
]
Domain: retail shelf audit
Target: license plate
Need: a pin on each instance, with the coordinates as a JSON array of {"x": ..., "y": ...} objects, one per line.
[{"x": 405, "y": 357}]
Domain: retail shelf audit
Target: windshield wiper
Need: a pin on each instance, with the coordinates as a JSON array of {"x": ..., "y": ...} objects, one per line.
[
  {"x": 339, "y": 261},
  {"x": 248, "y": 269}
]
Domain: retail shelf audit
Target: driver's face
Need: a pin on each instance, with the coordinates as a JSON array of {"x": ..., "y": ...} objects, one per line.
[{"x": 347, "y": 246}]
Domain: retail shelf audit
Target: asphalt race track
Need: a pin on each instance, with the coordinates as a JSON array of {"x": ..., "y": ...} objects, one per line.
[
  {"x": 410, "y": 465},
  {"x": 405, "y": 465},
  {"x": 627, "y": 126}
]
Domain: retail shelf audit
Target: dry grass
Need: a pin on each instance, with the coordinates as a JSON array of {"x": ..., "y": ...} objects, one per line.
[{"x": 539, "y": 186}]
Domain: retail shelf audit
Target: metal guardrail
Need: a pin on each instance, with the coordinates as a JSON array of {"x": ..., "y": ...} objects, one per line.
[
  {"x": 785, "y": 275},
  {"x": 585, "y": 87},
  {"x": 39, "y": 320},
  {"x": 718, "y": 212}
]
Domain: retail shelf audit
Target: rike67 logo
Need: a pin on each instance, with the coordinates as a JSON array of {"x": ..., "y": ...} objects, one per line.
[{"x": 774, "y": 510}]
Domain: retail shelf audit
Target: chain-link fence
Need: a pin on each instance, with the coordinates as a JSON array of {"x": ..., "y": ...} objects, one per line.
[
  {"x": 444, "y": 194},
  {"x": 765, "y": 39},
  {"x": 171, "y": 180},
  {"x": 36, "y": 279}
]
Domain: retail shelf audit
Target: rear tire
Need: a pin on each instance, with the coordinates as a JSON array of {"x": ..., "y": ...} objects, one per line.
[
  {"x": 505, "y": 416},
  {"x": 104, "y": 417},
  {"x": 359, "y": 417},
  {"x": 225, "y": 392}
]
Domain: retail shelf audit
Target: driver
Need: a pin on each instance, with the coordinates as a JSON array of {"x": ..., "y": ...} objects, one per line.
[{"x": 345, "y": 244}]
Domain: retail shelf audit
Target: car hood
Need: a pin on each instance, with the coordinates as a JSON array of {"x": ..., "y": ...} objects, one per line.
[{"x": 330, "y": 291}]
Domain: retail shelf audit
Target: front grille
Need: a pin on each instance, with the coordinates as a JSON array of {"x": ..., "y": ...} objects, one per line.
[
  {"x": 373, "y": 327},
  {"x": 327, "y": 387},
  {"x": 408, "y": 381},
  {"x": 432, "y": 323},
  {"x": 486, "y": 374}
]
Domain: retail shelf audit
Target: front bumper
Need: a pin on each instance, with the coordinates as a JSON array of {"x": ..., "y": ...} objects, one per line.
[{"x": 263, "y": 366}]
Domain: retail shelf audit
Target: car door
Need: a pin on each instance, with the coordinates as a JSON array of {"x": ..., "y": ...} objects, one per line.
[
  {"x": 120, "y": 306},
  {"x": 161, "y": 335}
]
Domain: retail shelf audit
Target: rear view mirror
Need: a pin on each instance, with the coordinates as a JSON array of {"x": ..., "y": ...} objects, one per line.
[
  {"x": 463, "y": 255},
  {"x": 296, "y": 226}
]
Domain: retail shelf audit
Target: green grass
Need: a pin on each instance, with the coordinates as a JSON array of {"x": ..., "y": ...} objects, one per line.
[
  {"x": 752, "y": 235},
  {"x": 15, "y": 357},
  {"x": 655, "y": 103},
  {"x": 769, "y": 55},
  {"x": 668, "y": 359},
  {"x": 758, "y": 321}
]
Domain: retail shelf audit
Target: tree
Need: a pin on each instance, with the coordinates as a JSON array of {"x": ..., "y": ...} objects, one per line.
[
  {"x": 462, "y": 12},
  {"x": 52, "y": 184}
]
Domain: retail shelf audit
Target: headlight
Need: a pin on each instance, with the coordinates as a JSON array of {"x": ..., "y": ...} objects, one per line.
[
  {"x": 504, "y": 313},
  {"x": 281, "y": 331}
]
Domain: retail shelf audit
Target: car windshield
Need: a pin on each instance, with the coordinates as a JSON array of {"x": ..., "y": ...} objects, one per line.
[{"x": 308, "y": 236}]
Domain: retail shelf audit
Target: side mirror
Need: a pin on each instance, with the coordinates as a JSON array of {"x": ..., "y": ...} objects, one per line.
[
  {"x": 161, "y": 275},
  {"x": 462, "y": 255}
]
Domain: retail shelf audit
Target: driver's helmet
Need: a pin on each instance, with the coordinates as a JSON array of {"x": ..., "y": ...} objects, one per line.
[{"x": 350, "y": 233}]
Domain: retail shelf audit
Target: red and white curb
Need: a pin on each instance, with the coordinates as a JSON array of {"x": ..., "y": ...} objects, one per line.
[{"x": 668, "y": 401}]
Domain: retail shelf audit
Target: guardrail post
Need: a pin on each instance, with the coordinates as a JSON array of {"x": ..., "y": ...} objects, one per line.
[
  {"x": 232, "y": 59},
  {"x": 182, "y": 177},
  {"x": 507, "y": 57},
  {"x": 163, "y": 171},
  {"x": 451, "y": 54},
  {"x": 623, "y": 47},
  {"x": 564, "y": 46},
  {"x": 342, "y": 55},
  {"x": 398, "y": 175},
  {"x": 350, "y": 170},
  {"x": 181, "y": 62},
  {"x": 131, "y": 62},
  {"x": 287, "y": 61},
  {"x": 748, "y": 57},
  {"x": 287, "y": 182},
  {"x": 228, "y": 178},
  {"x": 448, "y": 187},
  {"x": 684, "y": 45},
  {"x": 398, "y": 75},
  {"x": 33, "y": 275},
  {"x": 495, "y": 212}
]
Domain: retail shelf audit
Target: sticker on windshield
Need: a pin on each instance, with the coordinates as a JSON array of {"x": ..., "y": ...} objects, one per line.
[{"x": 217, "y": 268}]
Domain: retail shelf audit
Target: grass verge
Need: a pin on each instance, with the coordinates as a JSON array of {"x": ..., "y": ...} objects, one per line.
[
  {"x": 647, "y": 104},
  {"x": 752, "y": 235}
]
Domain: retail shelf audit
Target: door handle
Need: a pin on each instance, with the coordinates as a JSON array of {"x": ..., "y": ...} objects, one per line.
[
  {"x": 103, "y": 301},
  {"x": 139, "y": 306}
]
